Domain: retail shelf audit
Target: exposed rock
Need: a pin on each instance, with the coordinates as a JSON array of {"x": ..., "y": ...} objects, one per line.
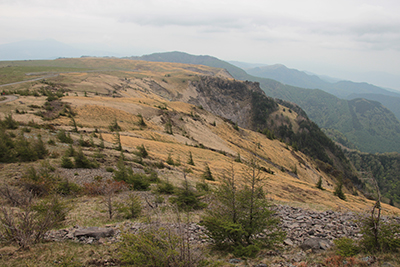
[
  {"x": 95, "y": 232},
  {"x": 288, "y": 242},
  {"x": 315, "y": 245},
  {"x": 235, "y": 261},
  {"x": 303, "y": 227},
  {"x": 301, "y": 224}
]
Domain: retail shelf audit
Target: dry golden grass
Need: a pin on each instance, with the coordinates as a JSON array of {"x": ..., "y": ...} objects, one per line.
[{"x": 133, "y": 81}]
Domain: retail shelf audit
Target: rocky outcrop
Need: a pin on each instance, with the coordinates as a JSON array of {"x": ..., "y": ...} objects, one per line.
[
  {"x": 95, "y": 232},
  {"x": 83, "y": 235},
  {"x": 301, "y": 226},
  {"x": 229, "y": 99}
]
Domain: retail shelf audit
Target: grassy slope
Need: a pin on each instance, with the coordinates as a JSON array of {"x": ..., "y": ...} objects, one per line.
[
  {"x": 136, "y": 97},
  {"x": 135, "y": 94}
]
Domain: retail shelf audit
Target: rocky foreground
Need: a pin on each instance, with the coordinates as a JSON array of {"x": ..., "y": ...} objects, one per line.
[
  {"x": 312, "y": 231},
  {"x": 299, "y": 224}
]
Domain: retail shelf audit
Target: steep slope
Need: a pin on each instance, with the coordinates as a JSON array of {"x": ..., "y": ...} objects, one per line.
[
  {"x": 328, "y": 111},
  {"x": 156, "y": 91},
  {"x": 371, "y": 128},
  {"x": 384, "y": 168},
  {"x": 246, "y": 105}
]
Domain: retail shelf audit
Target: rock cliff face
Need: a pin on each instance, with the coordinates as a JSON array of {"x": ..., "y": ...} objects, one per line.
[
  {"x": 231, "y": 99},
  {"x": 245, "y": 104}
]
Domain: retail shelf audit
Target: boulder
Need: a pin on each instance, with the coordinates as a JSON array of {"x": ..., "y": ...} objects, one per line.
[
  {"x": 315, "y": 244},
  {"x": 95, "y": 232}
]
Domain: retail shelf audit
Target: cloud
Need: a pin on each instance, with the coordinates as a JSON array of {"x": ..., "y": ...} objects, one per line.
[{"x": 327, "y": 31}]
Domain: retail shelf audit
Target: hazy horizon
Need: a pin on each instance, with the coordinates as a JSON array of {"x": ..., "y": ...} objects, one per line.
[{"x": 353, "y": 40}]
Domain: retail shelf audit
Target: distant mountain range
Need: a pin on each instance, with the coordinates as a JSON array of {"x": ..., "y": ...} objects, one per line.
[
  {"x": 341, "y": 89},
  {"x": 361, "y": 123}
]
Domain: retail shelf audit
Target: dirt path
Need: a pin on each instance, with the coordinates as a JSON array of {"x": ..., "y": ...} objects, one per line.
[
  {"x": 9, "y": 98},
  {"x": 32, "y": 80}
]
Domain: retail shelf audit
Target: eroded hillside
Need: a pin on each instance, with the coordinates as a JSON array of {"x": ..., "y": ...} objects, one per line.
[{"x": 186, "y": 109}]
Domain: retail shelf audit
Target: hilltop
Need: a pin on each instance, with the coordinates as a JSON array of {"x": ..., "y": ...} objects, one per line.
[
  {"x": 167, "y": 122},
  {"x": 192, "y": 98}
]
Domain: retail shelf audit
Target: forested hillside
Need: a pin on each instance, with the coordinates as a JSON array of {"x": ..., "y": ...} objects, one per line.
[
  {"x": 341, "y": 89},
  {"x": 385, "y": 168}
]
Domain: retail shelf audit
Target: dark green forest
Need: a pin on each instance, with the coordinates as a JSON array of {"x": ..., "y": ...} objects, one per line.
[{"x": 385, "y": 168}]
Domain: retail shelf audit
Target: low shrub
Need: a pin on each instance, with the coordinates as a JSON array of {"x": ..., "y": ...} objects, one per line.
[
  {"x": 165, "y": 188},
  {"x": 346, "y": 247},
  {"x": 29, "y": 224},
  {"x": 68, "y": 188},
  {"x": 81, "y": 161},
  {"x": 67, "y": 163},
  {"x": 187, "y": 199},
  {"x": 202, "y": 187},
  {"x": 53, "y": 207},
  {"x": 39, "y": 182},
  {"x": 158, "y": 246},
  {"x": 141, "y": 151},
  {"x": 64, "y": 137},
  {"x": 131, "y": 208},
  {"x": 100, "y": 187},
  {"x": 110, "y": 169}
]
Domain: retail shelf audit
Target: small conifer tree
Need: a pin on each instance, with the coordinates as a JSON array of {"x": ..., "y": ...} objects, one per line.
[
  {"x": 117, "y": 141},
  {"x": 101, "y": 145},
  {"x": 170, "y": 161},
  {"x": 190, "y": 159},
  {"x": 319, "y": 183},
  {"x": 339, "y": 191},
  {"x": 238, "y": 159},
  {"x": 74, "y": 125},
  {"x": 141, "y": 151},
  {"x": 141, "y": 121},
  {"x": 114, "y": 127},
  {"x": 40, "y": 148},
  {"x": 168, "y": 127},
  {"x": 207, "y": 175}
]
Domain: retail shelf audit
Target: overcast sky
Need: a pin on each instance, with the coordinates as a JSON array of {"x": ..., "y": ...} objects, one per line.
[{"x": 336, "y": 38}]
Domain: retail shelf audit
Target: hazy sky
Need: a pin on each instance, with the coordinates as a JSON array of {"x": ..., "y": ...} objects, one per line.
[{"x": 325, "y": 37}]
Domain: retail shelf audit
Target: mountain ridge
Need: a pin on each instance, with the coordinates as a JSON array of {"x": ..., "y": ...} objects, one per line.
[
  {"x": 341, "y": 89},
  {"x": 327, "y": 116},
  {"x": 182, "y": 110}
]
